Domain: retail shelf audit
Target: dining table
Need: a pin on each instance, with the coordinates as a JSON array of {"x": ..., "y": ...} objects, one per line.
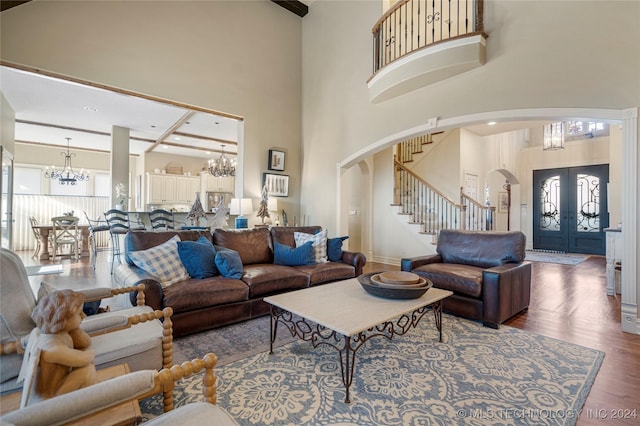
[{"x": 45, "y": 230}]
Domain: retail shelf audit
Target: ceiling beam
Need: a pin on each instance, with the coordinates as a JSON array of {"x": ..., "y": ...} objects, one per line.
[
  {"x": 170, "y": 131},
  {"x": 204, "y": 138},
  {"x": 8, "y": 4},
  {"x": 294, "y": 6}
]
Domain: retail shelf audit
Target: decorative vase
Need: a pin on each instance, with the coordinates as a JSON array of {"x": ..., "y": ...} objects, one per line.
[{"x": 120, "y": 207}]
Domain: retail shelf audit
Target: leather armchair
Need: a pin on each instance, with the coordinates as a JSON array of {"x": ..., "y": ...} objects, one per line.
[{"x": 485, "y": 270}]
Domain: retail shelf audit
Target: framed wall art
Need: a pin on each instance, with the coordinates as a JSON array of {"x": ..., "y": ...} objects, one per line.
[
  {"x": 276, "y": 160},
  {"x": 503, "y": 202},
  {"x": 277, "y": 185}
]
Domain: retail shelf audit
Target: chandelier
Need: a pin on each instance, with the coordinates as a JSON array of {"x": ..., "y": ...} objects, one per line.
[
  {"x": 223, "y": 166},
  {"x": 66, "y": 176},
  {"x": 553, "y": 138}
]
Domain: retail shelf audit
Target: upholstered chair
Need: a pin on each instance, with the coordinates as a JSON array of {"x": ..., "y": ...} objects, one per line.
[
  {"x": 135, "y": 336},
  {"x": 90, "y": 401}
]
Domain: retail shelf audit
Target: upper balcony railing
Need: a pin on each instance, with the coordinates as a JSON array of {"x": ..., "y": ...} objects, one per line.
[{"x": 414, "y": 24}]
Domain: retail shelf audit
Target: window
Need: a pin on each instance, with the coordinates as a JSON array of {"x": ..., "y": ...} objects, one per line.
[
  {"x": 585, "y": 130},
  {"x": 27, "y": 180}
]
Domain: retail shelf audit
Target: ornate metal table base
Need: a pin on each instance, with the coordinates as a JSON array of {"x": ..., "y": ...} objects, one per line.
[{"x": 347, "y": 346}]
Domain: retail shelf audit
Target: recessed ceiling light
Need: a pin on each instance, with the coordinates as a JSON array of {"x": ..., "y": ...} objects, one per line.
[
  {"x": 177, "y": 138},
  {"x": 91, "y": 109},
  {"x": 492, "y": 123},
  {"x": 165, "y": 146}
]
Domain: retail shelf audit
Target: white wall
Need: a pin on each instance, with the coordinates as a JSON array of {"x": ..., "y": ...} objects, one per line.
[{"x": 392, "y": 237}]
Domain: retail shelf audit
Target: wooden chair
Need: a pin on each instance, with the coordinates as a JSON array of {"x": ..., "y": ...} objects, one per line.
[
  {"x": 65, "y": 232},
  {"x": 86, "y": 403},
  {"x": 36, "y": 233},
  {"x": 162, "y": 220},
  {"x": 138, "y": 336}
]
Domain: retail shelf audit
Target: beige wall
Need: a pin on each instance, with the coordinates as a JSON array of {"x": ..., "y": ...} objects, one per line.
[
  {"x": 7, "y": 121},
  {"x": 241, "y": 57},
  {"x": 339, "y": 121}
]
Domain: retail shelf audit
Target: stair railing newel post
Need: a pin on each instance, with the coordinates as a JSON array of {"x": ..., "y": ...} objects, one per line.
[
  {"x": 479, "y": 16},
  {"x": 463, "y": 211}
]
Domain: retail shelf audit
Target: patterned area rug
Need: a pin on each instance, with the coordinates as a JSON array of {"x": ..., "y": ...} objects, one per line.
[
  {"x": 562, "y": 258},
  {"x": 477, "y": 375}
]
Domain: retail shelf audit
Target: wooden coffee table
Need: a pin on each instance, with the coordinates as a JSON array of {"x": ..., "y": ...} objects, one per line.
[
  {"x": 127, "y": 413},
  {"x": 345, "y": 316}
]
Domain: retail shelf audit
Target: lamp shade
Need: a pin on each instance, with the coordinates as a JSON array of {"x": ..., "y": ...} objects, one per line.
[
  {"x": 234, "y": 207},
  {"x": 246, "y": 206},
  {"x": 240, "y": 207}
]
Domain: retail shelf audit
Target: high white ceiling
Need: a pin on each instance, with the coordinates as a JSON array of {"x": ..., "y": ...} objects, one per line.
[{"x": 49, "y": 110}]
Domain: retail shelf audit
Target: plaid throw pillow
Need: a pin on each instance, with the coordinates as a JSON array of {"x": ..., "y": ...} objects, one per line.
[
  {"x": 162, "y": 261},
  {"x": 319, "y": 243}
]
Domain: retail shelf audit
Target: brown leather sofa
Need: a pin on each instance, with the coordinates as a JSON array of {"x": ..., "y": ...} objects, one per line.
[
  {"x": 486, "y": 271},
  {"x": 202, "y": 304}
]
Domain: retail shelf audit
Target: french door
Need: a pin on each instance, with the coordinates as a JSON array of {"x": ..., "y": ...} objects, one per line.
[{"x": 570, "y": 209}]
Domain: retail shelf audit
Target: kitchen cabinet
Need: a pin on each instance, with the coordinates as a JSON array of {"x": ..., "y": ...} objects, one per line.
[
  {"x": 161, "y": 188},
  {"x": 187, "y": 187},
  {"x": 217, "y": 184},
  {"x": 171, "y": 189}
]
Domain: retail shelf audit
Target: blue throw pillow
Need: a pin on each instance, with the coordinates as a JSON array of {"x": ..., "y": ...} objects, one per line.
[
  {"x": 199, "y": 257},
  {"x": 334, "y": 248},
  {"x": 229, "y": 263},
  {"x": 289, "y": 256}
]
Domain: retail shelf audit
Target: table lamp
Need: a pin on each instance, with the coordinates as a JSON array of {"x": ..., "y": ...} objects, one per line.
[
  {"x": 240, "y": 207},
  {"x": 272, "y": 206}
]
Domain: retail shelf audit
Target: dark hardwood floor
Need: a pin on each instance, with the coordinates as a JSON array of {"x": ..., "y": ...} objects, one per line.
[{"x": 568, "y": 303}]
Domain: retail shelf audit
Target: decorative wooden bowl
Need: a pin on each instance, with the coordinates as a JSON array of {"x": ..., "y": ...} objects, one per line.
[{"x": 396, "y": 292}]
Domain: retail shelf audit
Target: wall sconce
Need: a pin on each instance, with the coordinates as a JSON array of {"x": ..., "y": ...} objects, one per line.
[
  {"x": 240, "y": 207},
  {"x": 553, "y": 138}
]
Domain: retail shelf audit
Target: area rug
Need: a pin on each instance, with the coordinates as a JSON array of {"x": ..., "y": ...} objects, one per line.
[
  {"x": 562, "y": 258},
  {"x": 477, "y": 375}
]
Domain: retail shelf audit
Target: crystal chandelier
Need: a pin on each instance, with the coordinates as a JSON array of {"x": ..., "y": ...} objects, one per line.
[
  {"x": 66, "y": 176},
  {"x": 223, "y": 166},
  {"x": 553, "y": 137}
]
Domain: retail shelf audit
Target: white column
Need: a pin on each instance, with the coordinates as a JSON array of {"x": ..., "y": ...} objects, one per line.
[
  {"x": 630, "y": 231},
  {"x": 119, "y": 162}
]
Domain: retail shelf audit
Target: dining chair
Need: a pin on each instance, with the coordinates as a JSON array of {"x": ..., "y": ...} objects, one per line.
[
  {"x": 37, "y": 235},
  {"x": 162, "y": 220},
  {"x": 95, "y": 227},
  {"x": 65, "y": 232}
]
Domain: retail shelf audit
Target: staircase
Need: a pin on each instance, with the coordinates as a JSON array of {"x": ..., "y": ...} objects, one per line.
[{"x": 424, "y": 205}]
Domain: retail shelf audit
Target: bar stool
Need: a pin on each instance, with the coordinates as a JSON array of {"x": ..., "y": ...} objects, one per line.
[
  {"x": 95, "y": 227},
  {"x": 118, "y": 222},
  {"x": 162, "y": 220}
]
